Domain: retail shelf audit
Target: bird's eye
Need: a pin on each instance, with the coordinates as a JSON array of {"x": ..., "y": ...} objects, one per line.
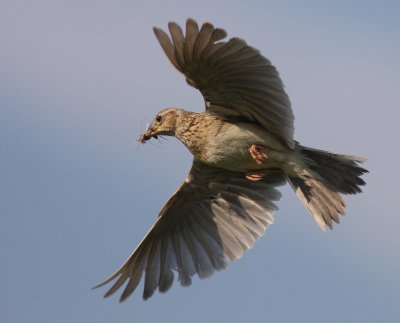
[{"x": 158, "y": 118}]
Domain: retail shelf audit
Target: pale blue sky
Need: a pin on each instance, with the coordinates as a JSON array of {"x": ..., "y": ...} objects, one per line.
[{"x": 78, "y": 82}]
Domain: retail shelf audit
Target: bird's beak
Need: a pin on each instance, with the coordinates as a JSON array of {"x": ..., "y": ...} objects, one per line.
[{"x": 150, "y": 133}]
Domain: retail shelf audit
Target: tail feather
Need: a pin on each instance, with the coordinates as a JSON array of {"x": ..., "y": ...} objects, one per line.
[
  {"x": 341, "y": 172},
  {"x": 323, "y": 181}
]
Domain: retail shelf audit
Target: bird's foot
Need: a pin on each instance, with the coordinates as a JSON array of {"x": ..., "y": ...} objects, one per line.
[
  {"x": 255, "y": 175},
  {"x": 256, "y": 152}
]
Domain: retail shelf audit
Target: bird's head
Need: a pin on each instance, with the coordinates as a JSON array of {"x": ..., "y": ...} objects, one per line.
[{"x": 164, "y": 123}]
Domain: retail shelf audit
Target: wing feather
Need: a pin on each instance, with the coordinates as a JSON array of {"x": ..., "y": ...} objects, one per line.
[
  {"x": 166, "y": 264},
  {"x": 212, "y": 219},
  {"x": 152, "y": 274},
  {"x": 231, "y": 75},
  {"x": 178, "y": 39},
  {"x": 167, "y": 46},
  {"x": 192, "y": 30}
]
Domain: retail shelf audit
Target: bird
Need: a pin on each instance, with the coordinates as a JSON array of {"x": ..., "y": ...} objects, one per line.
[{"x": 243, "y": 150}]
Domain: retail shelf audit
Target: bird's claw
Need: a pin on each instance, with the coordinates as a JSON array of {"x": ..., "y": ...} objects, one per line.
[
  {"x": 257, "y": 154},
  {"x": 255, "y": 175}
]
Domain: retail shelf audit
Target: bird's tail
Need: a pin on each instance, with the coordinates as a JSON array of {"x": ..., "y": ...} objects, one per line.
[{"x": 322, "y": 181}]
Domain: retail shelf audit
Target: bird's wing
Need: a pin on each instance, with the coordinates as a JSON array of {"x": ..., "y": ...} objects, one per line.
[
  {"x": 211, "y": 220},
  {"x": 234, "y": 78}
]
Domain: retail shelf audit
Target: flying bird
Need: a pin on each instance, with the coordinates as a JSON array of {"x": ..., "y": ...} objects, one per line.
[{"x": 243, "y": 149}]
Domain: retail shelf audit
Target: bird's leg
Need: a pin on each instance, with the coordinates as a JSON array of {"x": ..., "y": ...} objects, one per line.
[
  {"x": 255, "y": 175},
  {"x": 257, "y": 154}
]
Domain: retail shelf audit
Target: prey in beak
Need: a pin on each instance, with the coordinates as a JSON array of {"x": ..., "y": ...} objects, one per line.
[{"x": 146, "y": 136}]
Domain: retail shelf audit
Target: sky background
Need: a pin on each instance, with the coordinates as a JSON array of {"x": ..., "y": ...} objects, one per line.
[{"x": 79, "y": 80}]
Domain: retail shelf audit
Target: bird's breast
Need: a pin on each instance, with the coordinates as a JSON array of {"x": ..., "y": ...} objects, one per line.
[{"x": 228, "y": 147}]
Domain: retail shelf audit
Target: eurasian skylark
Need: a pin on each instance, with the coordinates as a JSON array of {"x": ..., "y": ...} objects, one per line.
[{"x": 243, "y": 148}]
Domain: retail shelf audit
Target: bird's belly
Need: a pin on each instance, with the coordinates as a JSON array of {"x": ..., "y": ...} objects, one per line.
[{"x": 229, "y": 149}]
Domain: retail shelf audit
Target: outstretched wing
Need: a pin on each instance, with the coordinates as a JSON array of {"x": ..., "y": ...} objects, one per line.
[
  {"x": 211, "y": 220},
  {"x": 234, "y": 78}
]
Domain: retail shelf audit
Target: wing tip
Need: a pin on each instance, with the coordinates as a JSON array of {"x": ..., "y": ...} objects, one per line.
[
  {"x": 191, "y": 21},
  {"x": 157, "y": 31}
]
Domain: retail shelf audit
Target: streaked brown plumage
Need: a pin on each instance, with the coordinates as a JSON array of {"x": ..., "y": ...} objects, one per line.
[{"x": 243, "y": 148}]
